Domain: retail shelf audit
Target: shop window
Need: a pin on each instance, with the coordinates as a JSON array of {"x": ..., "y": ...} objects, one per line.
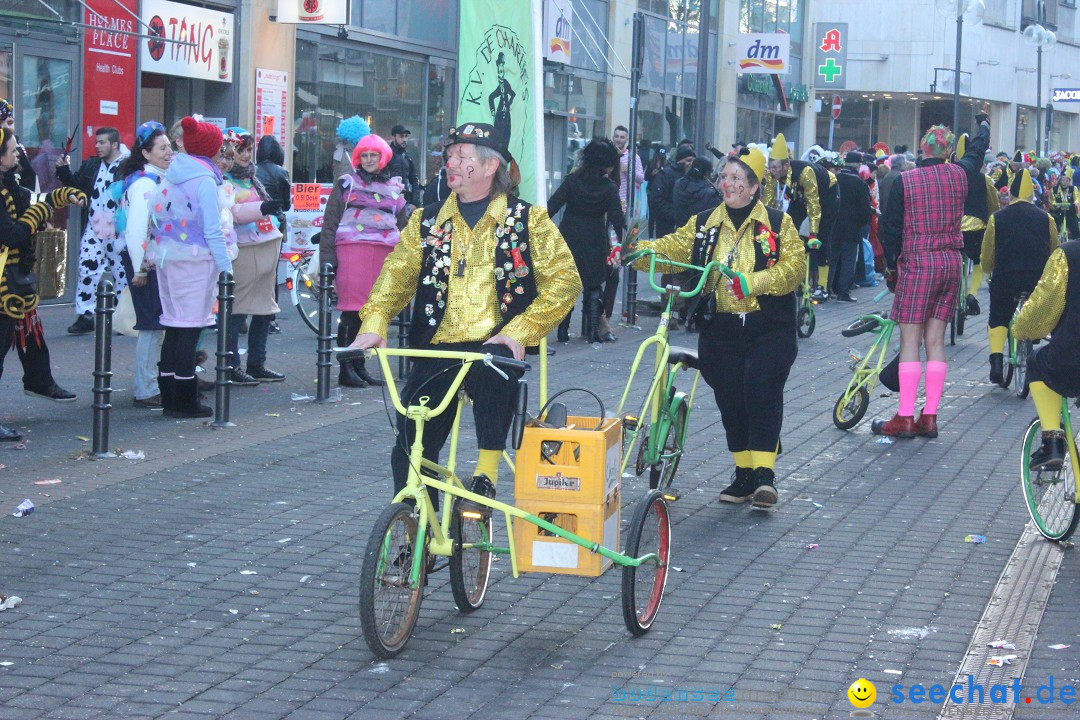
[
  {"x": 379, "y": 15},
  {"x": 429, "y": 21},
  {"x": 5, "y": 71}
]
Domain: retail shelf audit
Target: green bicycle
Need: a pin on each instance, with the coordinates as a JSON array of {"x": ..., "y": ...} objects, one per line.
[
  {"x": 1015, "y": 370},
  {"x": 1051, "y": 495},
  {"x": 959, "y": 316},
  {"x": 852, "y": 404},
  {"x": 409, "y": 532},
  {"x": 661, "y": 423}
]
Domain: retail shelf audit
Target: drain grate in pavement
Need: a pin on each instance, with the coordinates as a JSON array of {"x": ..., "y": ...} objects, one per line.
[{"x": 1013, "y": 615}]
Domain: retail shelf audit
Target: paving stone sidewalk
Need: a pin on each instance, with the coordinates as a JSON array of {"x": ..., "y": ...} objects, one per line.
[{"x": 219, "y": 577}]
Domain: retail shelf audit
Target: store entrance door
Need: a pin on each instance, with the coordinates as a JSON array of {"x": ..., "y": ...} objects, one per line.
[
  {"x": 46, "y": 100},
  {"x": 555, "y": 152}
]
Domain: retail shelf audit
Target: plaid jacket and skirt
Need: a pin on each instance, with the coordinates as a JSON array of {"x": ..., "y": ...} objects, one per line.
[{"x": 928, "y": 270}]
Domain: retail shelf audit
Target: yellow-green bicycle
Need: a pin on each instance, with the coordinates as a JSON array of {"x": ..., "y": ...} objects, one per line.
[{"x": 406, "y": 534}]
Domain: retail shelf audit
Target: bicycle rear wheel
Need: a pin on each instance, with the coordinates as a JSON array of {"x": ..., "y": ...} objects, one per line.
[
  {"x": 1007, "y": 366},
  {"x": 470, "y": 567},
  {"x": 643, "y": 586},
  {"x": 661, "y": 475},
  {"x": 961, "y": 315},
  {"x": 1020, "y": 377},
  {"x": 806, "y": 322},
  {"x": 1050, "y": 496},
  {"x": 389, "y": 603},
  {"x": 952, "y": 329}
]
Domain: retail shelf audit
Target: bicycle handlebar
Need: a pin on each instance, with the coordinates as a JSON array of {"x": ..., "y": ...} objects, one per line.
[
  {"x": 345, "y": 354},
  {"x": 705, "y": 271}
]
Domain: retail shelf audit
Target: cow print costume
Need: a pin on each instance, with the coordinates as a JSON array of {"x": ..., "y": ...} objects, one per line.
[{"x": 100, "y": 249}]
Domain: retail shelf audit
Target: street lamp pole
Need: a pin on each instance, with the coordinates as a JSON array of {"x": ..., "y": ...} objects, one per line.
[
  {"x": 1039, "y": 146},
  {"x": 956, "y": 75},
  {"x": 1041, "y": 38}
]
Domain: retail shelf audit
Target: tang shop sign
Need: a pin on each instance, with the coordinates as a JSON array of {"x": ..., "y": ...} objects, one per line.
[{"x": 203, "y": 41}]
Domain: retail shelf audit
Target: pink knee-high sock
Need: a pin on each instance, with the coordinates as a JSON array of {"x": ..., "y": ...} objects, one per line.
[
  {"x": 910, "y": 372},
  {"x": 935, "y": 385}
]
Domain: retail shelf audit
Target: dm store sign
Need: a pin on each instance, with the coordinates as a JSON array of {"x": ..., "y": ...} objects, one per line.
[
  {"x": 764, "y": 53},
  {"x": 197, "y": 43}
]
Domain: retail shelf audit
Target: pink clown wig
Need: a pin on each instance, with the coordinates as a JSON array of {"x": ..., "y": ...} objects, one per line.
[{"x": 370, "y": 143}]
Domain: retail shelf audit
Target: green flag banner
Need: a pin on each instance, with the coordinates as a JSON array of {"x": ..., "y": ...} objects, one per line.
[{"x": 500, "y": 76}]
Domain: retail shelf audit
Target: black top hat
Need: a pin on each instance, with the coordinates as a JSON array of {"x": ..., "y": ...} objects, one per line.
[{"x": 481, "y": 134}]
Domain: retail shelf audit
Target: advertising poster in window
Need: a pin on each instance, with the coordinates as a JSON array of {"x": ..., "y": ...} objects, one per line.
[
  {"x": 109, "y": 77},
  {"x": 205, "y": 41},
  {"x": 499, "y": 73},
  {"x": 271, "y": 103}
]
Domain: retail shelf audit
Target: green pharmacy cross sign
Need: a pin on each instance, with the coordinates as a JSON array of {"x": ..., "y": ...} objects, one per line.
[
  {"x": 830, "y": 70},
  {"x": 830, "y": 55}
]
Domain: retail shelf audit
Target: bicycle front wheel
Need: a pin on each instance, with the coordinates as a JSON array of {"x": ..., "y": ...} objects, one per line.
[
  {"x": 1020, "y": 376},
  {"x": 661, "y": 474},
  {"x": 470, "y": 566},
  {"x": 1050, "y": 496},
  {"x": 306, "y": 287},
  {"x": 389, "y": 602},
  {"x": 847, "y": 415},
  {"x": 806, "y": 322},
  {"x": 643, "y": 586}
]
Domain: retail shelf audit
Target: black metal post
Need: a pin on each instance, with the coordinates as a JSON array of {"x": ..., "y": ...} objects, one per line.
[
  {"x": 636, "y": 60},
  {"x": 106, "y": 306},
  {"x": 326, "y": 339},
  {"x": 225, "y": 360},
  {"x": 404, "y": 318},
  {"x": 1038, "y": 107}
]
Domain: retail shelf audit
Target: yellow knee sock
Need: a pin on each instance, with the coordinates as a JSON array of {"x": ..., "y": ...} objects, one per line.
[
  {"x": 998, "y": 336},
  {"x": 1047, "y": 404},
  {"x": 976, "y": 280},
  {"x": 823, "y": 276},
  {"x": 488, "y": 464},
  {"x": 764, "y": 459},
  {"x": 743, "y": 459}
]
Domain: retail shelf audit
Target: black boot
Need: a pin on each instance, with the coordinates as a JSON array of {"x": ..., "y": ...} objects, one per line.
[
  {"x": 997, "y": 368},
  {"x": 347, "y": 376},
  {"x": 361, "y": 372},
  {"x": 186, "y": 400},
  {"x": 1051, "y": 455},
  {"x": 165, "y": 387},
  {"x": 564, "y": 328},
  {"x": 741, "y": 488},
  {"x": 482, "y": 486},
  {"x": 765, "y": 495},
  {"x": 593, "y": 308}
]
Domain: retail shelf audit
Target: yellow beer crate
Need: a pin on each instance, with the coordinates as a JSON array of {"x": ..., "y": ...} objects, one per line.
[
  {"x": 569, "y": 477},
  {"x": 540, "y": 550}
]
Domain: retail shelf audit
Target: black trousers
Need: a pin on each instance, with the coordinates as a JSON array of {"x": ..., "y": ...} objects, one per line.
[
  {"x": 178, "y": 351},
  {"x": 33, "y": 353},
  {"x": 7, "y": 332},
  {"x": 348, "y": 328},
  {"x": 611, "y": 290},
  {"x": 1005, "y": 289},
  {"x": 493, "y": 406},
  {"x": 747, "y": 367}
]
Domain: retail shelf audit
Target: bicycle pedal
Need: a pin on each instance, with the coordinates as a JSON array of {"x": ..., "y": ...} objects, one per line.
[{"x": 671, "y": 494}]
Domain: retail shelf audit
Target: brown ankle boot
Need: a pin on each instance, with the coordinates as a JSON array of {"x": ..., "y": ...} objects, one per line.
[
  {"x": 902, "y": 426},
  {"x": 926, "y": 426}
]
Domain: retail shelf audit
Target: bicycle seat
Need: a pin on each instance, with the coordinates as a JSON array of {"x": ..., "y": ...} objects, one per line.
[{"x": 686, "y": 356}]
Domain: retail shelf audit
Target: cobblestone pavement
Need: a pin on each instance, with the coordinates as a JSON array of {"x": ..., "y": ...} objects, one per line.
[{"x": 219, "y": 576}]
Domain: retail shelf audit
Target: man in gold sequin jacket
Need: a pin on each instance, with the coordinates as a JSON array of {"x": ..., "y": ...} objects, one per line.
[{"x": 490, "y": 273}]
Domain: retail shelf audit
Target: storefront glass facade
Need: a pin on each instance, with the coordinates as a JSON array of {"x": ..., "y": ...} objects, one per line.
[
  {"x": 336, "y": 80},
  {"x": 670, "y": 99}
]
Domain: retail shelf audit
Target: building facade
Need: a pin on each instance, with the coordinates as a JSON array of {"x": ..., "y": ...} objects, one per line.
[{"x": 900, "y": 73}]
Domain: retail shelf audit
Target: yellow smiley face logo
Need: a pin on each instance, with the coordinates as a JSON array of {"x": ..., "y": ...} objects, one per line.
[{"x": 862, "y": 693}]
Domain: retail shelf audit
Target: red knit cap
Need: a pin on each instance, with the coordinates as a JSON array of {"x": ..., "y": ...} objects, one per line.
[{"x": 200, "y": 138}]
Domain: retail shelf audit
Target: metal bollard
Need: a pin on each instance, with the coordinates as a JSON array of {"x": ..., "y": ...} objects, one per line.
[
  {"x": 404, "y": 319},
  {"x": 630, "y": 298},
  {"x": 222, "y": 383},
  {"x": 326, "y": 339},
  {"x": 106, "y": 306}
]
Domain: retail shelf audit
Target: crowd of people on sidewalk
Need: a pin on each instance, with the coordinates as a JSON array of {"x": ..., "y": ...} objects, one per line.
[{"x": 165, "y": 217}]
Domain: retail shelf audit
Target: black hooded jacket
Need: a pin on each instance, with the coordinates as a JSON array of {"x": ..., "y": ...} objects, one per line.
[{"x": 269, "y": 158}]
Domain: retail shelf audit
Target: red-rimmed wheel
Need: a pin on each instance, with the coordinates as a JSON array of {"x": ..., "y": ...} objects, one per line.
[{"x": 643, "y": 586}]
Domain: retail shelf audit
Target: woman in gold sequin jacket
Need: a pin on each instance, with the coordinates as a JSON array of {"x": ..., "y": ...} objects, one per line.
[
  {"x": 747, "y": 342},
  {"x": 19, "y": 220}
]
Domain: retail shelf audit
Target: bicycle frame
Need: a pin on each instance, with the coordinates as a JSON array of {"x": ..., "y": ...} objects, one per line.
[
  {"x": 868, "y": 368},
  {"x": 450, "y": 484},
  {"x": 655, "y": 405}
]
